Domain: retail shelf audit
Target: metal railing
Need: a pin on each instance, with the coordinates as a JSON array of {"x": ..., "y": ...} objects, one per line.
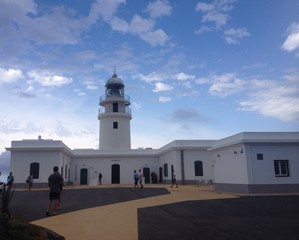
[
  {"x": 127, "y": 110},
  {"x": 107, "y": 98}
]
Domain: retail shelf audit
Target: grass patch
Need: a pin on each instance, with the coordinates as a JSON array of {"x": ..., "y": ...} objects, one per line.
[{"x": 15, "y": 228}]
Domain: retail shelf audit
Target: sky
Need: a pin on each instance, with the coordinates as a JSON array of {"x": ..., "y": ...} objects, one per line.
[{"x": 193, "y": 69}]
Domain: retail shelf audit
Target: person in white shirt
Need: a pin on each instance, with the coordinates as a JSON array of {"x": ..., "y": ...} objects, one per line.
[{"x": 140, "y": 178}]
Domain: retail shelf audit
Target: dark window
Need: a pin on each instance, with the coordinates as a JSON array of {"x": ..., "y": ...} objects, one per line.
[
  {"x": 259, "y": 156},
  {"x": 34, "y": 170},
  {"x": 198, "y": 168},
  {"x": 65, "y": 175},
  {"x": 281, "y": 168},
  {"x": 115, "y": 107},
  {"x": 115, "y": 125},
  {"x": 165, "y": 170}
]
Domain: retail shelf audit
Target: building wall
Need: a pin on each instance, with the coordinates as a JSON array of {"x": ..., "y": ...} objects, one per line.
[
  {"x": 238, "y": 170},
  {"x": 233, "y": 166},
  {"x": 230, "y": 165},
  {"x": 183, "y": 165},
  {"x": 263, "y": 170},
  {"x": 167, "y": 159},
  {"x": 95, "y": 165},
  {"x": 190, "y": 156},
  {"x": 20, "y": 164}
]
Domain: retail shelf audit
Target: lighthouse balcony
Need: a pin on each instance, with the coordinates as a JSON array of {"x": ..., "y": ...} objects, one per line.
[
  {"x": 125, "y": 111},
  {"x": 114, "y": 98}
]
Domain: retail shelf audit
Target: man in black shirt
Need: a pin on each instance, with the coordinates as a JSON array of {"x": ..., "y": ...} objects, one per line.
[{"x": 54, "y": 181}]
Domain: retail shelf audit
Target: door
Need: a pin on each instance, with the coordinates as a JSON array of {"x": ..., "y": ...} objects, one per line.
[
  {"x": 115, "y": 174},
  {"x": 83, "y": 176},
  {"x": 160, "y": 175},
  {"x": 146, "y": 175}
]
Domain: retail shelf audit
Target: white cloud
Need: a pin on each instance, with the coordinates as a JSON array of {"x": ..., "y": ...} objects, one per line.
[
  {"x": 119, "y": 24},
  {"x": 233, "y": 36},
  {"x": 47, "y": 79},
  {"x": 136, "y": 105},
  {"x": 279, "y": 102},
  {"x": 27, "y": 23},
  {"x": 270, "y": 98},
  {"x": 220, "y": 19},
  {"x": 159, "y": 8},
  {"x": 292, "y": 41},
  {"x": 92, "y": 87},
  {"x": 183, "y": 76},
  {"x": 223, "y": 85},
  {"x": 10, "y": 75},
  {"x": 162, "y": 87},
  {"x": 215, "y": 12},
  {"x": 164, "y": 99},
  {"x": 144, "y": 28},
  {"x": 204, "y": 7},
  {"x": 141, "y": 27},
  {"x": 154, "y": 38},
  {"x": 215, "y": 16},
  {"x": 152, "y": 77},
  {"x": 105, "y": 9},
  {"x": 278, "y": 99}
]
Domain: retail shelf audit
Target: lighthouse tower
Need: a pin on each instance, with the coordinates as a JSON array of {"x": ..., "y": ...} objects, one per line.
[{"x": 115, "y": 116}]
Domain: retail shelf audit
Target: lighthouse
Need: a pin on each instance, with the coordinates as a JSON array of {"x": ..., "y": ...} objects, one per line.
[{"x": 115, "y": 116}]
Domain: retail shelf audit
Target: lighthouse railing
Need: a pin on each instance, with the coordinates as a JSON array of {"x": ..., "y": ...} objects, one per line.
[
  {"x": 126, "y": 110},
  {"x": 105, "y": 97}
]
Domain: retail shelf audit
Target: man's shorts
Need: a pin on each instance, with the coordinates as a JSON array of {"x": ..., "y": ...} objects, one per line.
[{"x": 54, "y": 196}]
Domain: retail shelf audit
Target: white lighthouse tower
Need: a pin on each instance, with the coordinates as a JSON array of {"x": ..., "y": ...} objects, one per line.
[{"x": 115, "y": 116}]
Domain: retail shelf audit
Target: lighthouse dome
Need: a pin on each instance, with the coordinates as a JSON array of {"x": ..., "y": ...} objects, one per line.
[{"x": 114, "y": 80}]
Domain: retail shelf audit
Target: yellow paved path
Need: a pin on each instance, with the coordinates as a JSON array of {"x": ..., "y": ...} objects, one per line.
[{"x": 119, "y": 221}]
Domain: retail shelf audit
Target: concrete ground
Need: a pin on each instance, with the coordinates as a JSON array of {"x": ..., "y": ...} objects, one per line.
[{"x": 159, "y": 212}]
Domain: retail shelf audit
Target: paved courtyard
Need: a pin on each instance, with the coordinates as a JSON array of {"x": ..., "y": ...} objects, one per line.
[{"x": 159, "y": 212}]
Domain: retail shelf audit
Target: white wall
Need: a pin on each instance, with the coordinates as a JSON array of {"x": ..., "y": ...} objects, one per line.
[
  {"x": 230, "y": 165},
  {"x": 173, "y": 157},
  {"x": 190, "y": 156},
  {"x": 263, "y": 170},
  {"x": 21, "y": 160},
  {"x": 95, "y": 165}
]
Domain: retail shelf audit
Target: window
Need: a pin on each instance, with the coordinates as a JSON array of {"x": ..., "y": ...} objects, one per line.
[
  {"x": 259, "y": 156},
  {"x": 281, "y": 168},
  {"x": 115, "y": 125},
  {"x": 165, "y": 170},
  {"x": 115, "y": 107},
  {"x": 198, "y": 168},
  {"x": 34, "y": 170},
  {"x": 65, "y": 175}
]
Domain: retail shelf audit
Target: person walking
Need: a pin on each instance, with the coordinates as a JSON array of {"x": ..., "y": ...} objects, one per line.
[
  {"x": 100, "y": 178},
  {"x": 174, "y": 179},
  {"x": 10, "y": 179},
  {"x": 136, "y": 178},
  {"x": 140, "y": 178},
  {"x": 30, "y": 182},
  {"x": 54, "y": 181}
]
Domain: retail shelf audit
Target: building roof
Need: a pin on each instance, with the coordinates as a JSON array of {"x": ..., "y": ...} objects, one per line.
[{"x": 256, "y": 137}]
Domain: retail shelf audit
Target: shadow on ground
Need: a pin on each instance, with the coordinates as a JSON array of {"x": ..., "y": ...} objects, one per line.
[
  {"x": 31, "y": 206},
  {"x": 244, "y": 218}
]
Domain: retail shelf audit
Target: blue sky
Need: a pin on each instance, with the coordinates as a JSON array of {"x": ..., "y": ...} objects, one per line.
[{"x": 193, "y": 69}]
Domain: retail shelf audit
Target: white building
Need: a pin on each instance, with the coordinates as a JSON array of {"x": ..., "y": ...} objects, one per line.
[{"x": 248, "y": 162}]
